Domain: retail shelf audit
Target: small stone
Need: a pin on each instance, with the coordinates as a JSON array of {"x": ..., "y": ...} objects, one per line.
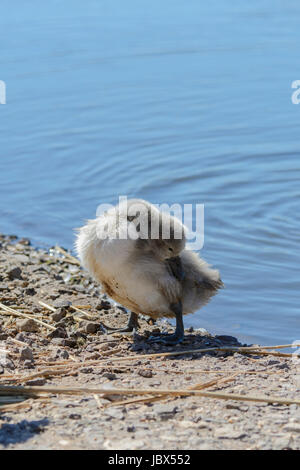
[
  {"x": 145, "y": 373},
  {"x": 109, "y": 375},
  {"x": 272, "y": 362},
  {"x": 131, "y": 429},
  {"x": 232, "y": 406},
  {"x": 15, "y": 273},
  {"x": 91, "y": 327},
  {"x": 26, "y": 353},
  {"x": 30, "y": 291},
  {"x": 21, "y": 337},
  {"x": 75, "y": 416},
  {"x": 7, "y": 363},
  {"x": 28, "y": 325},
  {"x": 36, "y": 382},
  {"x": 103, "y": 305},
  {"x": 283, "y": 366},
  {"x": 3, "y": 286},
  {"x": 64, "y": 354},
  {"x": 86, "y": 370},
  {"x": 58, "y": 315},
  {"x": 58, "y": 333},
  {"x": 69, "y": 342}
]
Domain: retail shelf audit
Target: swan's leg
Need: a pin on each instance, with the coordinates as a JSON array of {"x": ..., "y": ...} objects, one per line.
[
  {"x": 132, "y": 325},
  {"x": 176, "y": 337}
]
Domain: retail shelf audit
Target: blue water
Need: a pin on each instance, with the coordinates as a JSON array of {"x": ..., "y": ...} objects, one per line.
[{"x": 172, "y": 101}]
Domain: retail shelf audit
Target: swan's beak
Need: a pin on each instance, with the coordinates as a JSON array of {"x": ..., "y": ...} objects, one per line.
[{"x": 176, "y": 268}]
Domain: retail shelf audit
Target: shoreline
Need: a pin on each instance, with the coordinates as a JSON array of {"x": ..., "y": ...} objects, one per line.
[{"x": 50, "y": 316}]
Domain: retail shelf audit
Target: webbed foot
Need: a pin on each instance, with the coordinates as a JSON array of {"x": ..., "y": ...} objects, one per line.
[{"x": 176, "y": 337}]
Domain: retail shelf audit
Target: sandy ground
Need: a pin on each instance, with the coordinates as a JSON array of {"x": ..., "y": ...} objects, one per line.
[{"x": 72, "y": 350}]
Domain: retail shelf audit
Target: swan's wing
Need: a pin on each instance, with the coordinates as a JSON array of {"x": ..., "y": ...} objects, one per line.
[
  {"x": 210, "y": 284},
  {"x": 199, "y": 273}
]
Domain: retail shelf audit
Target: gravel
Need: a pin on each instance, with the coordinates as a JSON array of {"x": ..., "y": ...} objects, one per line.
[{"x": 29, "y": 275}]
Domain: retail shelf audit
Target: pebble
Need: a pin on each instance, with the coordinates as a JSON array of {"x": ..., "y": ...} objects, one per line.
[
  {"x": 91, "y": 327},
  {"x": 103, "y": 305},
  {"x": 75, "y": 416},
  {"x": 145, "y": 373},
  {"x": 26, "y": 353},
  {"x": 30, "y": 291},
  {"x": 15, "y": 273},
  {"x": 198, "y": 423},
  {"x": 28, "y": 325},
  {"x": 7, "y": 363},
  {"x": 109, "y": 375},
  {"x": 58, "y": 333},
  {"x": 3, "y": 286},
  {"x": 58, "y": 315},
  {"x": 36, "y": 382},
  {"x": 86, "y": 370}
]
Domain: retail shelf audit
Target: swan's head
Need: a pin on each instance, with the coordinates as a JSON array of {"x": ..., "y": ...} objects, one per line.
[
  {"x": 171, "y": 240},
  {"x": 165, "y": 236},
  {"x": 154, "y": 231}
]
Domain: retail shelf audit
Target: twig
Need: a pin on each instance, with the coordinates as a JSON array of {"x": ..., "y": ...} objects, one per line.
[
  {"x": 23, "y": 315},
  {"x": 88, "y": 315},
  {"x": 43, "y": 373},
  {"x": 49, "y": 307},
  {"x": 99, "y": 404},
  {"x": 43, "y": 304},
  {"x": 199, "y": 386},
  {"x": 21, "y": 343},
  {"x": 36, "y": 391}
]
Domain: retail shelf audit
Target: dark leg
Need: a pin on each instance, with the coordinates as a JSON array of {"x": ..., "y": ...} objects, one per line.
[
  {"x": 132, "y": 325},
  {"x": 176, "y": 337}
]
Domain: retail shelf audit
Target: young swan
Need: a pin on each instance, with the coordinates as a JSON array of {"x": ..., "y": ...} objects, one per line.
[{"x": 138, "y": 255}]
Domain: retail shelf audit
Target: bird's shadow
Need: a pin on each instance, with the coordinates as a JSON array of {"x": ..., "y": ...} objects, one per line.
[
  {"x": 191, "y": 342},
  {"x": 21, "y": 432}
]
